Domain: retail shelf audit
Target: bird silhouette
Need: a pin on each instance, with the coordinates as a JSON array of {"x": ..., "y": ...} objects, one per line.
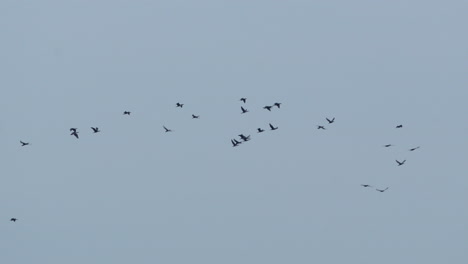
[
  {"x": 366, "y": 185},
  {"x": 381, "y": 190},
  {"x": 400, "y": 162},
  {"x": 75, "y": 133},
  {"x": 179, "y": 105},
  {"x": 244, "y": 110},
  {"x": 126, "y": 112},
  {"x": 73, "y": 129},
  {"x": 268, "y": 107},
  {"x": 272, "y": 127},
  {"x": 260, "y": 130},
  {"x": 277, "y": 104},
  {"x": 388, "y": 145},
  {"x": 13, "y": 219},
  {"x": 235, "y": 143},
  {"x": 413, "y": 149},
  {"x": 195, "y": 116},
  {"x": 24, "y": 143},
  {"x": 243, "y": 99},
  {"x": 330, "y": 121},
  {"x": 399, "y": 126},
  {"x": 321, "y": 127},
  {"x": 95, "y": 129},
  {"x": 167, "y": 129},
  {"x": 245, "y": 138}
]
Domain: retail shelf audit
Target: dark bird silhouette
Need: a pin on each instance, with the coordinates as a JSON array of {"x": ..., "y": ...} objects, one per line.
[
  {"x": 260, "y": 130},
  {"x": 272, "y": 127},
  {"x": 388, "y": 145},
  {"x": 268, "y": 107},
  {"x": 75, "y": 133},
  {"x": 277, "y": 104},
  {"x": 195, "y": 116},
  {"x": 95, "y": 129},
  {"x": 330, "y": 121},
  {"x": 235, "y": 143},
  {"x": 244, "y": 110},
  {"x": 381, "y": 190},
  {"x": 126, "y": 112},
  {"x": 400, "y": 163},
  {"x": 245, "y": 138},
  {"x": 243, "y": 99},
  {"x": 24, "y": 143},
  {"x": 167, "y": 129},
  {"x": 413, "y": 149},
  {"x": 179, "y": 105},
  {"x": 321, "y": 127},
  {"x": 399, "y": 126},
  {"x": 13, "y": 219},
  {"x": 366, "y": 185},
  {"x": 73, "y": 129}
]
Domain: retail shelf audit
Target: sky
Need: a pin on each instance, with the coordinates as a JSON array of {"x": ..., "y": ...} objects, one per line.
[{"x": 135, "y": 194}]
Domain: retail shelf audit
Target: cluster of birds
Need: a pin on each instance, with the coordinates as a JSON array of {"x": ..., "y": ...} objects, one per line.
[
  {"x": 242, "y": 138},
  {"x": 399, "y": 163}
]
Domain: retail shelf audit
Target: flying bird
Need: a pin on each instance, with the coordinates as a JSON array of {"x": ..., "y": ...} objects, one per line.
[
  {"x": 330, "y": 121},
  {"x": 235, "y": 143},
  {"x": 366, "y": 185},
  {"x": 24, "y": 143},
  {"x": 400, "y": 162},
  {"x": 245, "y": 138},
  {"x": 195, "y": 116},
  {"x": 277, "y": 104},
  {"x": 179, "y": 105},
  {"x": 413, "y": 149},
  {"x": 126, "y": 112},
  {"x": 243, "y": 99},
  {"x": 95, "y": 129},
  {"x": 268, "y": 107},
  {"x": 272, "y": 127},
  {"x": 381, "y": 190},
  {"x": 13, "y": 219},
  {"x": 399, "y": 126},
  {"x": 167, "y": 129},
  {"x": 244, "y": 110},
  {"x": 321, "y": 127},
  {"x": 260, "y": 130},
  {"x": 388, "y": 145},
  {"x": 75, "y": 133},
  {"x": 73, "y": 129}
]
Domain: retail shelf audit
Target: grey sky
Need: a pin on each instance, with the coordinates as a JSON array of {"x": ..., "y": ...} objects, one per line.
[{"x": 134, "y": 194}]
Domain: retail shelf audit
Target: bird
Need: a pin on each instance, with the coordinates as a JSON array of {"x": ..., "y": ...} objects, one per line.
[
  {"x": 260, "y": 130},
  {"x": 381, "y": 190},
  {"x": 245, "y": 138},
  {"x": 95, "y": 129},
  {"x": 400, "y": 162},
  {"x": 243, "y": 99},
  {"x": 13, "y": 219},
  {"x": 235, "y": 143},
  {"x": 272, "y": 127},
  {"x": 24, "y": 143},
  {"x": 366, "y": 185},
  {"x": 179, "y": 105},
  {"x": 388, "y": 145},
  {"x": 195, "y": 116},
  {"x": 244, "y": 110},
  {"x": 167, "y": 129},
  {"x": 321, "y": 127},
  {"x": 413, "y": 149},
  {"x": 75, "y": 133},
  {"x": 268, "y": 107},
  {"x": 330, "y": 121},
  {"x": 277, "y": 104},
  {"x": 73, "y": 129},
  {"x": 399, "y": 126},
  {"x": 126, "y": 112}
]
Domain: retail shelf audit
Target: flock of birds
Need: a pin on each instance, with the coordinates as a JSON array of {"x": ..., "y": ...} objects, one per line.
[{"x": 242, "y": 138}]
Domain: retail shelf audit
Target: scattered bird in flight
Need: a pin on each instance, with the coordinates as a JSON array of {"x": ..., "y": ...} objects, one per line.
[
  {"x": 260, "y": 130},
  {"x": 365, "y": 185},
  {"x": 245, "y": 138},
  {"x": 272, "y": 127},
  {"x": 244, "y": 110},
  {"x": 179, "y": 105},
  {"x": 381, "y": 190},
  {"x": 167, "y": 129},
  {"x": 73, "y": 129},
  {"x": 268, "y": 107},
  {"x": 24, "y": 143},
  {"x": 243, "y": 99},
  {"x": 75, "y": 133},
  {"x": 400, "y": 163},
  {"x": 321, "y": 127},
  {"x": 13, "y": 219},
  {"x": 388, "y": 145},
  {"x": 95, "y": 129},
  {"x": 413, "y": 149},
  {"x": 399, "y": 126},
  {"x": 126, "y": 112},
  {"x": 235, "y": 143},
  {"x": 277, "y": 104},
  {"x": 195, "y": 116},
  {"x": 330, "y": 121}
]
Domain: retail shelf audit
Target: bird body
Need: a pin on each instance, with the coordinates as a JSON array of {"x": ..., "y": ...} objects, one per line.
[
  {"x": 399, "y": 126},
  {"x": 95, "y": 129},
  {"x": 127, "y": 112},
  {"x": 195, "y": 116},
  {"x": 272, "y": 127},
  {"x": 24, "y": 143},
  {"x": 243, "y": 99},
  {"x": 400, "y": 162},
  {"x": 330, "y": 121},
  {"x": 167, "y": 129},
  {"x": 244, "y": 110},
  {"x": 268, "y": 107},
  {"x": 179, "y": 105},
  {"x": 13, "y": 219},
  {"x": 321, "y": 127},
  {"x": 244, "y": 138},
  {"x": 413, "y": 149},
  {"x": 277, "y": 104},
  {"x": 365, "y": 185},
  {"x": 381, "y": 190},
  {"x": 260, "y": 130}
]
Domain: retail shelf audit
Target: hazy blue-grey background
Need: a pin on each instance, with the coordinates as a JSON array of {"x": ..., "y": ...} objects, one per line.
[{"x": 134, "y": 194}]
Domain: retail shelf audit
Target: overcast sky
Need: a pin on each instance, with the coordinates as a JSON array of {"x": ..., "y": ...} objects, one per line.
[{"x": 134, "y": 194}]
